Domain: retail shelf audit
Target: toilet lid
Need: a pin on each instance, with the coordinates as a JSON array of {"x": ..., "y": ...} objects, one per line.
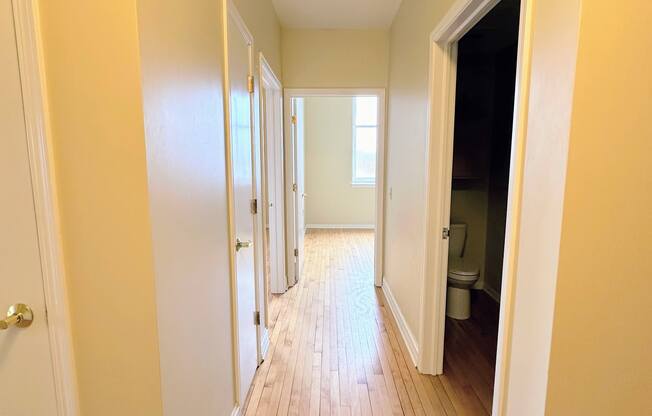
[{"x": 460, "y": 268}]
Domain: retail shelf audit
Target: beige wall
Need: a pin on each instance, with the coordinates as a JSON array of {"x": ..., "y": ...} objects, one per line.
[
  {"x": 335, "y": 58},
  {"x": 182, "y": 74},
  {"x": 406, "y": 143},
  {"x": 94, "y": 95},
  {"x": 600, "y": 361},
  {"x": 261, "y": 20},
  {"x": 328, "y": 159}
]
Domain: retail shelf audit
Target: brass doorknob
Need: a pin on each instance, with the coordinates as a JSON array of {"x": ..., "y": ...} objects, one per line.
[
  {"x": 19, "y": 315},
  {"x": 242, "y": 244}
]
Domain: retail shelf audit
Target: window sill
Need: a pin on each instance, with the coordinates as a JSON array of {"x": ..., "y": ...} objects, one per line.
[{"x": 363, "y": 185}]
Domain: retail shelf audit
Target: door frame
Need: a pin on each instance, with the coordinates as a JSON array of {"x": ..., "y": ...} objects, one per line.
[
  {"x": 270, "y": 82},
  {"x": 41, "y": 164},
  {"x": 461, "y": 17},
  {"x": 289, "y": 94},
  {"x": 230, "y": 10}
]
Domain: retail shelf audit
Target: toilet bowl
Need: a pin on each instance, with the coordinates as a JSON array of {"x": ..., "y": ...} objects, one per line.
[{"x": 461, "y": 276}]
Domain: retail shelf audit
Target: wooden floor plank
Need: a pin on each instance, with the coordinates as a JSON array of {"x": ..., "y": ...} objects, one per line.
[{"x": 335, "y": 348}]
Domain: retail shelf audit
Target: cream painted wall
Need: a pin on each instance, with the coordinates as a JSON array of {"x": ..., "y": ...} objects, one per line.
[
  {"x": 262, "y": 21},
  {"x": 93, "y": 91},
  {"x": 328, "y": 165},
  {"x": 182, "y": 75},
  {"x": 600, "y": 360},
  {"x": 406, "y": 141},
  {"x": 335, "y": 58}
]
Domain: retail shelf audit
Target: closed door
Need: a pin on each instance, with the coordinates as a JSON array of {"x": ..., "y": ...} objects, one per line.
[
  {"x": 300, "y": 194},
  {"x": 242, "y": 171},
  {"x": 26, "y": 380},
  {"x": 274, "y": 188}
]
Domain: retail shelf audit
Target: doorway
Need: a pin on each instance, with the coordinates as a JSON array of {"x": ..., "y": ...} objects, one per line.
[
  {"x": 475, "y": 59},
  {"x": 244, "y": 221},
  {"x": 478, "y": 191},
  {"x": 346, "y": 191},
  {"x": 273, "y": 195}
]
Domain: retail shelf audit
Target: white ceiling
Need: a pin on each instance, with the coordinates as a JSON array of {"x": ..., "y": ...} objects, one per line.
[{"x": 336, "y": 14}]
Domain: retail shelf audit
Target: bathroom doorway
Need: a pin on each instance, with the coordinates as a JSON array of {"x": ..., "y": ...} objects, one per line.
[{"x": 478, "y": 186}]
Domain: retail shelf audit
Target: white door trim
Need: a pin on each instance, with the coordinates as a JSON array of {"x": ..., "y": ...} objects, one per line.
[
  {"x": 462, "y": 16},
  {"x": 43, "y": 186},
  {"x": 269, "y": 81},
  {"x": 380, "y": 157}
]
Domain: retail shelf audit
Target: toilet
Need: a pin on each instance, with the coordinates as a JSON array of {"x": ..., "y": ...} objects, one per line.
[{"x": 462, "y": 275}]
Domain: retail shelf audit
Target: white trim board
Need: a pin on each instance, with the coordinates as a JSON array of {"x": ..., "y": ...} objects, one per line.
[
  {"x": 54, "y": 286},
  {"x": 406, "y": 334},
  {"x": 342, "y": 226}
]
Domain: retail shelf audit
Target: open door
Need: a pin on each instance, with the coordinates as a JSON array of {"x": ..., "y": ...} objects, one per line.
[
  {"x": 300, "y": 194},
  {"x": 271, "y": 100},
  {"x": 295, "y": 189}
]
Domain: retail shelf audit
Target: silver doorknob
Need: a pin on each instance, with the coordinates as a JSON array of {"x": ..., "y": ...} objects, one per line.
[
  {"x": 19, "y": 315},
  {"x": 242, "y": 244}
]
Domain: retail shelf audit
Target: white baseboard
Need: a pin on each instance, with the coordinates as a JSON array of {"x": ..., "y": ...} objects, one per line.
[
  {"x": 493, "y": 294},
  {"x": 408, "y": 337},
  {"x": 265, "y": 342},
  {"x": 344, "y": 226}
]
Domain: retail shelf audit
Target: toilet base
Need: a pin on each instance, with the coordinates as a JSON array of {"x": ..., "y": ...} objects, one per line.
[{"x": 458, "y": 303}]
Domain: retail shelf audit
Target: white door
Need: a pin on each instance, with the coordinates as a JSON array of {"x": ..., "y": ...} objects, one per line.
[
  {"x": 241, "y": 141},
  {"x": 26, "y": 380},
  {"x": 300, "y": 194},
  {"x": 274, "y": 213}
]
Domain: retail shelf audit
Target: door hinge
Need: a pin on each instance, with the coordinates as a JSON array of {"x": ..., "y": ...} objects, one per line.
[
  {"x": 294, "y": 119},
  {"x": 250, "y": 83},
  {"x": 445, "y": 233},
  {"x": 254, "y": 206},
  {"x": 296, "y": 252},
  {"x": 256, "y": 318},
  {"x": 294, "y": 187}
]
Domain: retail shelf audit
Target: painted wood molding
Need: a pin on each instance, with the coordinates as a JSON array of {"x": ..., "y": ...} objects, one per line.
[
  {"x": 47, "y": 222},
  {"x": 406, "y": 334}
]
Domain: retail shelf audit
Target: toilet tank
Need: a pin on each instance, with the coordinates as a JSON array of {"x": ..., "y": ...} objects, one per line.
[{"x": 456, "y": 240}]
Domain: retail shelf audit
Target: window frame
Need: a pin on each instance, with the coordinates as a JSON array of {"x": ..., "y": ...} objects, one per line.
[{"x": 360, "y": 182}]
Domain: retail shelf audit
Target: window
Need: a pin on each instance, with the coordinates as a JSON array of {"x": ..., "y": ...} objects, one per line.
[{"x": 365, "y": 135}]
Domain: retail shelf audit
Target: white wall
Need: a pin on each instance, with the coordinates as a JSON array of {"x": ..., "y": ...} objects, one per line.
[
  {"x": 181, "y": 51},
  {"x": 332, "y": 200}
]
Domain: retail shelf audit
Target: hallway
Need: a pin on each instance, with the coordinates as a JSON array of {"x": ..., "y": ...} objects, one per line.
[{"x": 335, "y": 348}]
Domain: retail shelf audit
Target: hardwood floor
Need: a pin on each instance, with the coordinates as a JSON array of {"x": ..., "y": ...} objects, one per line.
[{"x": 335, "y": 347}]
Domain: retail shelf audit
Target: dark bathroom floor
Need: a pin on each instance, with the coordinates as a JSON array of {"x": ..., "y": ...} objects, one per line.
[{"x": 470, "y": 353}]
